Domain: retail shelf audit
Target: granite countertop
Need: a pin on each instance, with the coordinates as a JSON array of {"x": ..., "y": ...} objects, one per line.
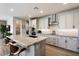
[{"x": 26, "y": 40}]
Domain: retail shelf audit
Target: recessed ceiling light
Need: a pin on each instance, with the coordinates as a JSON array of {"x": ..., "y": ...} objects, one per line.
[
  {"x": 11, "y": 10},
  {"x": 41, "y": 11},
  {"x": 64, "y": 3}
]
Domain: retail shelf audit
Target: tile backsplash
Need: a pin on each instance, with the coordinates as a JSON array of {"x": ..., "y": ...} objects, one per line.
[
  {"x": 46, "y": 31},
  {"x": 65, "y": 32}
]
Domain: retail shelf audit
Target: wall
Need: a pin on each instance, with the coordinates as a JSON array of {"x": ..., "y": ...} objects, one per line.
[{"x": 9, "y": 20}]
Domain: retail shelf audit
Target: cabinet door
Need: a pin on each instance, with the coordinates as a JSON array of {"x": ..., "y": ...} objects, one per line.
[
  {"x": 51, "y": 41},
  {"x": 48, "y": 41},
  {"x": 72, "y": 44},
  {"x": 43, "y": 23},
  {"x": 62, "y": 22},
  {"x": 61, "y": 42},
  {"x": 76, "y": 20},
  {"x": 69, "y": 21},
  {"x": 55, "y": 41}
]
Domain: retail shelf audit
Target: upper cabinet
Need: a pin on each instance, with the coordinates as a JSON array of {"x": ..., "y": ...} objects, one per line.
[
  {"x": 76, "y": 20},
  {"x": 62, "y": 21},
  {"x": 69, "y": 20},
  {"x": 43, "y": 23},
  {"x": 66, "y": 21}
]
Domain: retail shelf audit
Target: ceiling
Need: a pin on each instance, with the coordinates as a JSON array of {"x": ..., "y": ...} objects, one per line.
[{"x": 27, "y": 9}]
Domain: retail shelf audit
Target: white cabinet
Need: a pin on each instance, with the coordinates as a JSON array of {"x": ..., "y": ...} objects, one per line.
[
  {"x": 76, "y": 20},
  {"x": 72, "y": 44},
  {"x": 52, "y": 41},
  {"x": 66, "y": 21},
  {"x": 55, "y": 41},
  {"x": 68, "y": 43},
  {"x": 61, "y": 42},
  {"x": 62, "y": 22},
  {"x": 48, "y": 40},
  {"x": 43, "y": 23},
  {"x": 69, "y": 21}
]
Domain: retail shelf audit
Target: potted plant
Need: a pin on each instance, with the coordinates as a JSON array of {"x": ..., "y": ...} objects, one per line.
[{"x": 5, "y": 33}]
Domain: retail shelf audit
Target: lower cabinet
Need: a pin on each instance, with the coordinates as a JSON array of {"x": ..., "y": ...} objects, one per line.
[
  {"x": 52, "y": 41},
  {"x": 68, "y": 43},
  {"x": 62, "y": 42},
  {"x": 48, "y": 41},
  {"x": 72, "y": 44}
]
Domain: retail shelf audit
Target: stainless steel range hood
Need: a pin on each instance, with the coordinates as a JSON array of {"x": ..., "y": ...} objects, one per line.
[{"x": 52, "y": 20}]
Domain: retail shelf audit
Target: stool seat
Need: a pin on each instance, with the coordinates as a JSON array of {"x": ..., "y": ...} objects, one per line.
[{"x": 16, "y": 49}]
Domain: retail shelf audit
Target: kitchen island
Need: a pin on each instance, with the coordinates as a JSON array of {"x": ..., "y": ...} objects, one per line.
[{"x": 34, "y": 46}]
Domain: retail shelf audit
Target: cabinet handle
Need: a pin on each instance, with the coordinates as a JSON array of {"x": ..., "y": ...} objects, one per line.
[{"x": 65, "y": 41}]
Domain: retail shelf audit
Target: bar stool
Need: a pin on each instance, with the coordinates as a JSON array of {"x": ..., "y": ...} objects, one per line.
[
  {"x": 4, "y": 49},
  {"x": 15, "y": 49}
]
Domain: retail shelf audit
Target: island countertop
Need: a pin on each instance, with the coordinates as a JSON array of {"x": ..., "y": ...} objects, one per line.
[{"x": 26, "y": 40}]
